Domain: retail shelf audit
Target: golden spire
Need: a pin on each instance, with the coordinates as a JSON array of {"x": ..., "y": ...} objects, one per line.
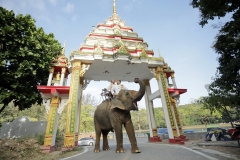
[
  {"x": 63, "y": 50},
  {"x": 114, "y": 7}
]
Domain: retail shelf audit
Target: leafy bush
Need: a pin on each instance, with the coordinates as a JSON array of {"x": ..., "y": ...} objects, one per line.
[{"x": 40, "y": 138}]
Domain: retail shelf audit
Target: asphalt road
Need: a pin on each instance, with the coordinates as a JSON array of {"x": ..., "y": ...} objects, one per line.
[{"x": 150, "y": 151}]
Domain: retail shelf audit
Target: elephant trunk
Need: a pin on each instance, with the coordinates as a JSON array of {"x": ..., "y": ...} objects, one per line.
[{"x": 141, "y": 91}]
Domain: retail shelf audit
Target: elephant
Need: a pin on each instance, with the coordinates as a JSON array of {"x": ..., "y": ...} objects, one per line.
[{"x": 112, "y": 114}]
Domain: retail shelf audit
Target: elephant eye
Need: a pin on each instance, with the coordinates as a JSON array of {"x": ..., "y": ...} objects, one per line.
[{"x": 127, "y": 94}]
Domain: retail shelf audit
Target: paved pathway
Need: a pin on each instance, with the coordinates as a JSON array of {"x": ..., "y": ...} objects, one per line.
[{"x": 150, "y": 151}]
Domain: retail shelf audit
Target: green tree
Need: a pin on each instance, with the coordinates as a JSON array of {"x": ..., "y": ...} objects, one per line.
[
  {"x": 160, "y": 118},
  {"x": 88, "y": 107},
  {"x": 9, "y": 114},
  {"x": 86, "y": 118},
  {"x": 25, "y": 56},
  {"x": 139, "y": 119},
  {"x": 226, "y": 83},
  {"x": 196, "y": 114},
  {"x": 218, "y": 103}
]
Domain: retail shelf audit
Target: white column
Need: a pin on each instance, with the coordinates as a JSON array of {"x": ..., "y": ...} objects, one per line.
[
  {"x": 150, "y": 110},
  {"x": 164, "y": 105},
  {"x": 77, "y": 121},
  {"x": 50, "y": 77},
  {"x": 62, "y": 76},
  {"x": 148, "y": 114},
  {"x": 78, "y": 109},
  {"x": 173, "y": 80}
]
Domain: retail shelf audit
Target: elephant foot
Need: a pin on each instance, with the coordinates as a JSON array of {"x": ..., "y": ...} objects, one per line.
[
  {"x": 106, "y": 148},
  {"x": 96, "y": 150},
  {"x": 120, "y": 150},
  {"x": 136, "y": 150}
]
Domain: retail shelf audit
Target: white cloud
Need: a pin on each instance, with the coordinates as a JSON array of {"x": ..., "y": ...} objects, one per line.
[
  {"x": 74, "y": 18},
  {"x": 53, "y": 2},
  {"x": 69, "y": 8}
]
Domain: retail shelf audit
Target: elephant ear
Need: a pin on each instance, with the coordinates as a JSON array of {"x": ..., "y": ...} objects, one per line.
[{"x": 115, "y": 103}]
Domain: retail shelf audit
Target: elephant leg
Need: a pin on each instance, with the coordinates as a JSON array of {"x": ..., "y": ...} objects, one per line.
[
  {"x": 131, "y": 136},
  {"x": 105, "y": 140},
  {"x": 119, "y": 138},
  {"x": 98, "y": 135}
]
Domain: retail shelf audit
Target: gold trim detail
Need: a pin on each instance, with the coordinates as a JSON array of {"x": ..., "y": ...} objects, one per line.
[
  {"x": 146, "y": 82},
  {"x": 69, "y": 140},
  {"x": 51, "y": 121},
  {"x": 51, "y": 70},
  {"x": 63, "y": 70},
  {"x": 154, "y": 130}
]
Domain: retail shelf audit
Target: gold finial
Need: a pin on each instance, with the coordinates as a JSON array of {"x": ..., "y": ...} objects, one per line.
[
  {"x": 63, "y": 50},
  {"x": 114, "y": 7}
]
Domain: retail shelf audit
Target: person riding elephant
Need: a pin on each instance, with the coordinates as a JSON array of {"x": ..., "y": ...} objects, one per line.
[{"x": 112, "y": 114}]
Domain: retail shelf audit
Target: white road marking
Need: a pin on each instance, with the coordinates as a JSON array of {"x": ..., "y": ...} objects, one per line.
[{"x": 86, "y": 149}]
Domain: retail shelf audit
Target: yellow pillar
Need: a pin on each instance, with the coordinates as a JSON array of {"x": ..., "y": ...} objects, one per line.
[
  {"x": 49, "y": 140},
  {"x": 69, "y": 137},
  {"x": 166, "y": 102},
  {"x": 179, "y": 124}
]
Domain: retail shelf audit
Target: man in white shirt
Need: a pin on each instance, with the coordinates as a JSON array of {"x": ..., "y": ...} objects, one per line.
[
  {"x": 111, "y": 85},
  {"x": 116, "y": 88}
]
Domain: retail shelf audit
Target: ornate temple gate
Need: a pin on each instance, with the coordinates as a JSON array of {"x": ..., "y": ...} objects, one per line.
[{"x": 111, "y": 51}]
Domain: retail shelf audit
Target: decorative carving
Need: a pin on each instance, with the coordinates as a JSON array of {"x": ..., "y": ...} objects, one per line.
[
  {"x": 46, "y": 103},
  {"x": 168, "y": 103},
  {"x": 172, "y": 75},
  {"x": 69, "y": 140},
  {"x": 48, "y": 140},
  {"x": 60, "y": 61},
  {"x": 98, "y": 50},
  {"x": 76, "y": 64},
  {"x": 144, "y": 54},
  {"x": 120, "y": 43},
  {"x": 123, "y": 51},
  {"x": 117, "y": 32},
  {"x": 153, "y": 71},
  {"x": 156, "y": 58},
  {"x": 84, "y": 67},
  {"x": 51, "y": 121},
  {"x": 159, "y": 70}
]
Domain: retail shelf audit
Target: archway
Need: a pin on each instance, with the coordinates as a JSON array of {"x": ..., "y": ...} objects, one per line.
[{"x": 111, "y": 51}]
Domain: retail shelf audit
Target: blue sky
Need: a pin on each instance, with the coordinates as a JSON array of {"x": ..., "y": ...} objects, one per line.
[{"x": 169, "y": 26}]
